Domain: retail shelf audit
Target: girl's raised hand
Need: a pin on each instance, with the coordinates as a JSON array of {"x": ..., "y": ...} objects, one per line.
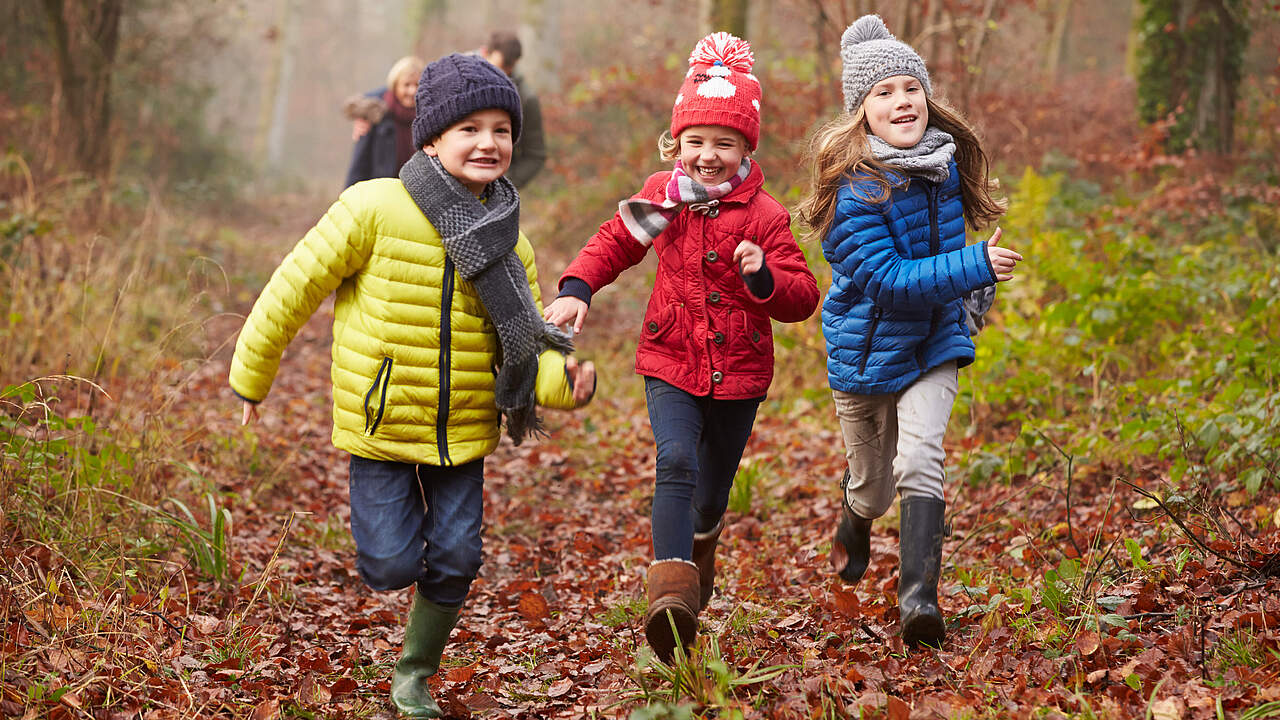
[
  {"x": 566, "y": 308},
  {"x": 1003, "y": 260},
  {"x": 749, "y": 257},
  {"x": 250, "y": 413}
]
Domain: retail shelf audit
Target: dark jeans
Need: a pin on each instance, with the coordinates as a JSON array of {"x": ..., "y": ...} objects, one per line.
[
  {"x": 700, "y": 441},
  {"x": 417, "y": 523}
]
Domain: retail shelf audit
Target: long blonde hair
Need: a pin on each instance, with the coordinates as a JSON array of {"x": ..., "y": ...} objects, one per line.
[{"x": 840, "y": 152}]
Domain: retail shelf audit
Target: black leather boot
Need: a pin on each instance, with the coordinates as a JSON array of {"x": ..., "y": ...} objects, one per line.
[
  {"x": 851, "y": 545},
  {"x": 920, "y": 550}
]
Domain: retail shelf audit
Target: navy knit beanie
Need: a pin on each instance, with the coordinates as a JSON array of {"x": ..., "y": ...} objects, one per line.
[{"x": 457, "y": 85}]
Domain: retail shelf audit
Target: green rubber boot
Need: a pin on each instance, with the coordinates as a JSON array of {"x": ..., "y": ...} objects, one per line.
[{"x": 424, "y": 639}]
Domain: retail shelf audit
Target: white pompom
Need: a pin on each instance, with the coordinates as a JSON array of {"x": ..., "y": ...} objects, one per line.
[{"x": 725, "y": 49}]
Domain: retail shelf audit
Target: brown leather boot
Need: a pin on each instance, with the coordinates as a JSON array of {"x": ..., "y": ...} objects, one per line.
[
  {"x": 673, "y": 600},
  {"x": 704, "y": 556}
]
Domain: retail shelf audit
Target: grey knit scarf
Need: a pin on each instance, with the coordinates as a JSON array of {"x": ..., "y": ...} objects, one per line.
[
  {"x": 930, "y": 158},
  {"x": 480, "y": 239}
]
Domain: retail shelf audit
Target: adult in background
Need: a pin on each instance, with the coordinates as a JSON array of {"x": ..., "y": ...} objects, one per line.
[
  {"x": 503, "y": 50},
  {"x": 387, "y": 142}
]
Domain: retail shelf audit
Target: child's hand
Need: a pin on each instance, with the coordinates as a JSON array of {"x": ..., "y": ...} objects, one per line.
[
  {"x": 566, "y": 308},
  {"x": 1003, "y": 260},
  {"x": 583, "y": 378},
  {"x": 749, "y": 257},
  {"x": 359, "y": 127},
  {"x": 250, "y": 413}
]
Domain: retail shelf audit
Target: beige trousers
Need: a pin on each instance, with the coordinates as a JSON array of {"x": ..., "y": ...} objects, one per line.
[{"x": 893, "y": 442}]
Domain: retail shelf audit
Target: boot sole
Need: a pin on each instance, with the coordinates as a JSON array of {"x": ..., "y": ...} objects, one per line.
[
  {"x": 657, "y": 628},
  {"x": 924, "y": 630}
]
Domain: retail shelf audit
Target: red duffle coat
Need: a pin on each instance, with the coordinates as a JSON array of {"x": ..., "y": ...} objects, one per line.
[{"x": 703, "y": 331}]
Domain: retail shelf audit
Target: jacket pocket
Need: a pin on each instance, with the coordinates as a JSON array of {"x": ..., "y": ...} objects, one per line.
[
  {"x": 871, "y": 335},
  {"x": 375, "y": 400},
  {"x": 749, "y": 336},
  {"x": 662, "y": 332}
]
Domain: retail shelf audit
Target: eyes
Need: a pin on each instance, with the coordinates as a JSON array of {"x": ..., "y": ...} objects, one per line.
[
  {"x": 471, "y": 129},
  {"x": 885, "y": 91},
  {"x": 725, "y": 144}
]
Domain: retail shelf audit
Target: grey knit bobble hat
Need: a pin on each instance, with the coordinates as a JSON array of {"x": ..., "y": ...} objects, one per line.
[
  {"x": 457, "y": 85},
  {"x": 871, "y": 54}
]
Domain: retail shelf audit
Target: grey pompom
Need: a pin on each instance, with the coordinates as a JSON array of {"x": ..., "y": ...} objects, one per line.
[{"x": 867, "y": 27}]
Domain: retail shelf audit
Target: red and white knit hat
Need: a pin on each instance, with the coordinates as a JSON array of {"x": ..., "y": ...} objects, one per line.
[{"x": 719, "y": 88}]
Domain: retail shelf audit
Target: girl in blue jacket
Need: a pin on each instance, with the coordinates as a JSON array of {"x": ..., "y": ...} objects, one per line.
[{"x": 895, "y": 179}]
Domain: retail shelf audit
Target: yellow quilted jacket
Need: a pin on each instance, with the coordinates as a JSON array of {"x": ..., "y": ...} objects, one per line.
[{"x": 414, "y": 350}]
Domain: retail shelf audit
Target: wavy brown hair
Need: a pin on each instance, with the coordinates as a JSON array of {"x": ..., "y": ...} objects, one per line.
[{"x": 840, "y": 151}]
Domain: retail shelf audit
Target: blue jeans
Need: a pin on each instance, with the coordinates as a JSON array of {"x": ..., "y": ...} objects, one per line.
[
  {"x": 700, "y": 441},
  {"x": 418, "y": 523}
]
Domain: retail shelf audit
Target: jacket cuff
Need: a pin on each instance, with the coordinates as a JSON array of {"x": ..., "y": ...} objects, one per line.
[
  {"x": 552, "y": 389},
  {"x": 760, "y": 283},
  {"x": 576, "y": 287},
  {"x": 233, "y": 392},
  {"x": 986, "y": 260}
]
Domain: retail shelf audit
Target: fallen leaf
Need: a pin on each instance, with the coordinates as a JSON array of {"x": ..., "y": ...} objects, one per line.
[
  {"x": 204, "y": 624},
  {"x": 898, "y": 709},
  {"x": 560, "y": 687},
  {"x": 343, "y": 686},
  {"x": 266, "y": 710},
  {"x": 1167, "y": 709},
  {"x": 847, "y": 603},
  {"x": 533, "y": 606},
  {"x": 792, "y": 620},
  {"x": 1087, "y": 643},
  {"x": 461, "y": 674}
]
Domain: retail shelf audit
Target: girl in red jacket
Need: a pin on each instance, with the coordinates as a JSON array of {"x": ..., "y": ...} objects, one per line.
[{"x": 727, "y": 263}]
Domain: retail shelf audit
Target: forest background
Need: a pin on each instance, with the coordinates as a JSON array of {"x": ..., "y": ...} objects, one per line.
[{"x": 1114, "y": 455}]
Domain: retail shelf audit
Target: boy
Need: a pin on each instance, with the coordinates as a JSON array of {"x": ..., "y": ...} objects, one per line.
[{"x": 436, "y": 287}]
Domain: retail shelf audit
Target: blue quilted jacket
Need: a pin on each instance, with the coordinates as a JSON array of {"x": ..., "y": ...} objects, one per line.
[{"x": 899, "y": 269}]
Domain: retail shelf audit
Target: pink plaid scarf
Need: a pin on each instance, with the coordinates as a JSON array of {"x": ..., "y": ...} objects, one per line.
[{"x": 646, "y": 219}]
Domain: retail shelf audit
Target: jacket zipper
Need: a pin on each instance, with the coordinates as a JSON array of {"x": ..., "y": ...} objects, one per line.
[
  {"x": 935, "y": 246},
  {"x": 380, "y": 383},
  {"x": 871, "y": 333},
  {"x": 446, "y": 332}
]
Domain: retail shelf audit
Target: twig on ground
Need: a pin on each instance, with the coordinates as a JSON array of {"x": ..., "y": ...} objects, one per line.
[
  {"x": 1070, "y": 471},
  {"x": 1186, "y": 530}
]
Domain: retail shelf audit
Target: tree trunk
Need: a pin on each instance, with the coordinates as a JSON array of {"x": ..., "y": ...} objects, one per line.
[
  {"x": 86, "y": 37},
  {"x": 542, "y": 62},
  {"x": 274, "y": 100},
  {"x": 1057, "y": 38},
  {"x": 1190, "y": 65},
  {"x": 727, "y": 15}
]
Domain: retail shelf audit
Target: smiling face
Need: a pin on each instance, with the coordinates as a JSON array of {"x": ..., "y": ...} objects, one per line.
[
  {"x": 711, "y": 154},
  {"x": 406, "y": 87},
  {"x": 896, "y": 110},
  {"x": 476, "y": 150}
]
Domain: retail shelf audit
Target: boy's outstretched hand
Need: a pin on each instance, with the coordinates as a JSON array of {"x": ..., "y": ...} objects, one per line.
[
  {"x": 583, "y": 377},
  {"x": 566, "y": 308},
  {"x": 749, "y": 257},
  {"x": 1003, "y": 260},
  {"x": 250, "y": 413}
]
